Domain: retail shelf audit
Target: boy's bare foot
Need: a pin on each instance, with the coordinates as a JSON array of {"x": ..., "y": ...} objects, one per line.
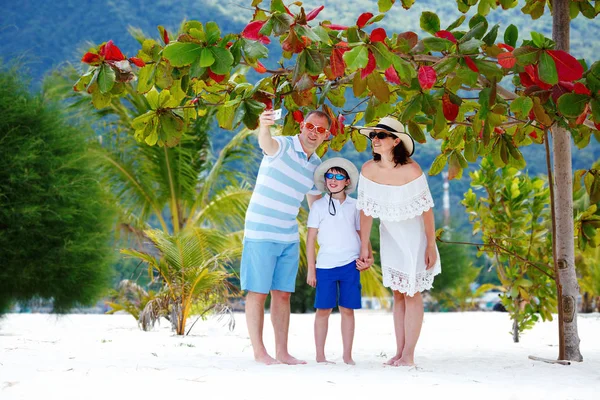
[
  {"x": 323, "y": 360},
  {"x": 349, "y": 361},
  {"x": 265, "y": 359},
  {"x": 289, "y": 360},
  {"x": 404, "y": 362},
  {"x": 392, "y": 360}
]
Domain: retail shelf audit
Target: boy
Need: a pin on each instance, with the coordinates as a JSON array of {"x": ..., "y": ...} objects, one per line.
[{"x": 334, "y": 221}]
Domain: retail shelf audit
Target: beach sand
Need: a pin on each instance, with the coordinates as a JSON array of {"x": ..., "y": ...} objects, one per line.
[{"x": 459, "y": 355}]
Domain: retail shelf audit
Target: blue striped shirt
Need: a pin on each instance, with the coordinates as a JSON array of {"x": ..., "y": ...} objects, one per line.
[{"x": 282, "y": 182}]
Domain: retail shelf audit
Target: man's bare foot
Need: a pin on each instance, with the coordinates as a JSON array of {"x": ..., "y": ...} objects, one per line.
[
  {"x": 405, "y": 362},
  {"x": 392, "y": 360},
  {"x": 289, "y": 360},
  {"x": 323, "y": 360},
  {"x": 265, "y": 359},
  {"x": 349, "y": 361}
]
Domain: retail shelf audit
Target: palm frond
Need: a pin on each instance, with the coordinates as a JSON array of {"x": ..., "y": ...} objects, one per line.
[{"x": 226, "y": 209}]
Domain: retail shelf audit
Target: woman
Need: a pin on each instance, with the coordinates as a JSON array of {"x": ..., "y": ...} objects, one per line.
[{"x": 393, "y": 188}]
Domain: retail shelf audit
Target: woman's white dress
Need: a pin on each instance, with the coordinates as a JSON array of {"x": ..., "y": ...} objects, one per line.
[{"x": 402, "y": 231}]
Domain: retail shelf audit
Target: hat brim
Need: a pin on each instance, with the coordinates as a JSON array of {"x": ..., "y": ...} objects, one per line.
[
  {"x": 407, "y": 140},
  {"x": 339, "y": 162}
]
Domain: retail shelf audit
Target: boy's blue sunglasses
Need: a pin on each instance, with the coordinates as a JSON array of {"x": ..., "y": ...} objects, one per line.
[{"x": 338, "y": 177}]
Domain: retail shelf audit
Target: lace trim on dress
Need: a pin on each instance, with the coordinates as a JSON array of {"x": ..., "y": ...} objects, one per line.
[
  {"x": 395, "y": 210},
  {"x": 403, "y": 283}
]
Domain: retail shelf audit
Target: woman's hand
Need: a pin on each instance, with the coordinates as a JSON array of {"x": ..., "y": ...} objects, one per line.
[
  {"x": 365, "y": 259},
  {"x": 311, "y": 277},
  {"x": 430, "y": 255}
]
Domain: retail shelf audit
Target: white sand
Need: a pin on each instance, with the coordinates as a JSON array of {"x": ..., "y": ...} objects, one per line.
[{"x": 460, "y": 355}]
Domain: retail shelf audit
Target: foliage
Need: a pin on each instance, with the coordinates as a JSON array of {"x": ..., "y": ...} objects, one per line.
[
  {"x": 131, "y": 298},
  {"x": 191, "y": 265},
  {"x": 512, "y": 215},
  {"x": 55, "y": 217}
]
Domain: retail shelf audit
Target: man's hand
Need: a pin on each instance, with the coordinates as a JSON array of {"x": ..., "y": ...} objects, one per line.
[
  {"x": 311, "y": 277},
  {"x": 265, "y": 141}
]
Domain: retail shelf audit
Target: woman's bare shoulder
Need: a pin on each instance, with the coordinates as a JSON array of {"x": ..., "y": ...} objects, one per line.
[
  {"x": 413, "y": 170},
  {"x": 368, "y": 169}
]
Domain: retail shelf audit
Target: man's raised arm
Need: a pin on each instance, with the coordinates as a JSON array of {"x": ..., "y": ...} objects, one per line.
[{"x": 268, "y": 145}]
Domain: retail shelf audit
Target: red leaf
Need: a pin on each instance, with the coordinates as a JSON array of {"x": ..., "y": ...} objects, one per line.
[
  {"x": 581, "y": 89},
  {"x": 533, "y": 135},
  {"x": 471, "y": 64},
  {"x": 499, "y": 131},
  {"x": 392, "y": 76},
  {"x": 251, "y": 31},
  {"x": 111, "y": 52},
  {"x": 505, "y": 46},
  {"x": 194, "y": 100},
  {"x": 371, "y": 64},
  {"x": 166, "y": 36},
  {"x": 427, "y": 77},
  {"x": 378, "y": 35},
  {"x": 215, "y": 77},
  {"x": 597, "y": 125},
  {"x": 363, "y": 19},
  {"x": 342, "y": 44},
  {"x": 446, "y": 35},
  {"x": 507, "y": 60},
  {"x": 298, "y": 116},
  {"x": 526, "y": 79},
  {"x": 560, "y": 89},
  {"x": 260, "y": 68},
  {"x": 581, "y": 119},
  {"x": 449, "y": 108},
  {"x": 340, "y": 121},
  {"x": 90, "y": 58},
  {"x": 313, "y": 14},
  {"x": 411, "y": 38},
  {"x": 137, "y": 61},
  {"x": 337, "y": 63},
  {"x": 293, "y": 43},
  {"x": 287, "y": 10},
  {"x": 336, "y": 27},
  {"x": 567, "y": 66}
]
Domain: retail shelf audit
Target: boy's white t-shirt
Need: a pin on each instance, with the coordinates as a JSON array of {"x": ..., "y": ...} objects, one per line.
[{"x": 339, "y": 242}]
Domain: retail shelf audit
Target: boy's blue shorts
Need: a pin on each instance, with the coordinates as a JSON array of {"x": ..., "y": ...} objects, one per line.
[
  {"x": 269, "y": 266},
  {"x": 338, "y": 286}
]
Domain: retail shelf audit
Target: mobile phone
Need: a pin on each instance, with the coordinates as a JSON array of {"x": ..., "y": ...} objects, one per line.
[{"x": 277, "y": 114}]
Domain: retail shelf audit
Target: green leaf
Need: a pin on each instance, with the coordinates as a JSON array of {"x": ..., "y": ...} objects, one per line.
[
  {"x": 428, "y": 104},
  {"x": 322, "y": 33},
  {"x": 223, "y": 60},
  {"x": 383, "y": 56},
  {"x": 314, "y": 61},
  {"x": 106, "y": 78},
  {"x": 471, "y": 151},
  {"x": 538, "y": 39},
  {"x": 358, "y": 85},
  {"x": 571, "y": 105},
  {"x": 490, "y": 37},
  {"x": 456, "y": 23},
  {"x": 359, "y": 141},
  {"x": 225, "y": 116},
  {"x": 206, "y": 58},
  {"x": 145, "y": 79},
  {"x": 213, "y": 33},
  {"x": 437, "y": 44},
  {"x": 308, "y": 32},
  {"x": 254, "y": 49},
  {"x": 357, "y": 58},
  {"x": 476, "y": 32},
  {"x": 511, "y": 35},
  {"x": 385, "y": 5},
  {"x": 281, "y": 23},
  {"x": 180, "y": 54},
  {"x": 521, "y": 106},
  {"x": 547, "y": 69},
  {"x": 526, "y": 55},
  {"x": 277, "y": 6},
  {"x": 489, "y": 69},
  {"x": 470, "y": 46},
  {"x": 430, "y": 22},
  {"x": 438, "y": 164},
  {"x": 446, "y": 66},
  {"x": 412, "y": 108},
  {"x": 379, "y": 87},
  {"x": 595, "y": 103},
  {"x": 100, "y": 100},
  {"x": 416, "y": 132},
  {"x": 405, "y": 70}
]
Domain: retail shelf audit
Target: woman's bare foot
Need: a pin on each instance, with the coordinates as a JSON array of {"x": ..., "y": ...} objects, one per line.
[
  {"x": 392, "y": 360},
  {"x": 404, "y": 362},
  {"x": 265, "y": 359},
  {"x": 289, "y": 360},
  {"x": 323, "y": 360},
  {"x": 349, "y": 361}
]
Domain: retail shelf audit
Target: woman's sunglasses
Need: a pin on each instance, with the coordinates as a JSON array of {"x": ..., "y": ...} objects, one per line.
[
  {"x": 338, "y": 177},
  {"x": 320, "y": 130},
  {"x": 380, "y": 135}
]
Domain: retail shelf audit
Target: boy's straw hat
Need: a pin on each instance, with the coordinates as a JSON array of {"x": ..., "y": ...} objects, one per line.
[{"x": 339, "y": 162}]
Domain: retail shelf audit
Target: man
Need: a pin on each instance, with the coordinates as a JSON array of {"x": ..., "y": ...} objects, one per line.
[{"x": 271, "y": 242}]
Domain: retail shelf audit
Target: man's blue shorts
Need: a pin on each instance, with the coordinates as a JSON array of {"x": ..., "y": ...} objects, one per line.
[
  {"x": 338, "y": 286},
  {"x": 269, "y": 266}
]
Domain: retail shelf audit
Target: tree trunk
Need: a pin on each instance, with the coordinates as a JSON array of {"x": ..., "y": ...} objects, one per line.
[{"x": 566, "y": 279}]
